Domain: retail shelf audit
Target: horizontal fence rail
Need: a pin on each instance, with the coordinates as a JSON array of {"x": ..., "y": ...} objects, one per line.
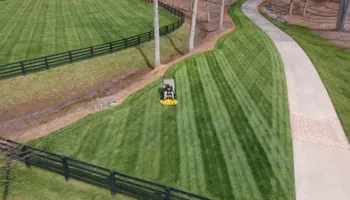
[
  {"x": 95, "y": 175},
  {"x": 27, "y": 66}
]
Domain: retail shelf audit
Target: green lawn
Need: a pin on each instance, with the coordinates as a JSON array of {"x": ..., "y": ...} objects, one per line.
[
  {"x": 33, "y": 28},
  {"x": 228, "y": 138},
  {"x": 333, "y": 65}
]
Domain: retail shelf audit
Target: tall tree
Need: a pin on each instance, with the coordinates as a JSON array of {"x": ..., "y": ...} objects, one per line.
[
  {"x": 305, "y": 7},
  {"x": 342, "y": 14},
  {"x": 291, "y": 7},
  {"x": 156, "y": 34},
  {"x": 193, "y": 24},
  {"x": 222, "y": 10},
  {"x": 207, "y": 9}
]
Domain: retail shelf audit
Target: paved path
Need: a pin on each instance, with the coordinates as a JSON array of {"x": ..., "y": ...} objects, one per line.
[{"x": 321, "y": 150}]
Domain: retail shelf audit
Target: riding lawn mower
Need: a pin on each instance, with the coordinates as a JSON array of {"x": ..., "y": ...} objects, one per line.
[{"x": 168, "y": 97}]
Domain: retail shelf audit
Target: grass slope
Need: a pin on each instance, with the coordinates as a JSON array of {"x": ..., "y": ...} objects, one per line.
[
  {"x": 228, "y": 138},
  {"x": 333, "y": 65},
  {"x": 33, "y": 28}
]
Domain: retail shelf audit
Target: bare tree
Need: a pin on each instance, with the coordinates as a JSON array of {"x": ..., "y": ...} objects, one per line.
[
  {"x": 156, "y": 34},
  {"x": 222, "y": 10},
  {"x": 193, "y": 24},
  {"x": 291, "y": 7},
  {"x": 207, "y": 9},
  {"x": 305, "y": 7},
  {"x": 342, "y": 14}
]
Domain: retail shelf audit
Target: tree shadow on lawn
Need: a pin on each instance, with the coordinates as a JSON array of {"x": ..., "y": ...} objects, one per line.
[{"x": 5, "y": 178}]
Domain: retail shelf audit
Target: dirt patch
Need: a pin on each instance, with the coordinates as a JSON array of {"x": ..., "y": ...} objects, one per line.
[
  {"x": 320, "y": 17},
  {"x": 17, "y": 119},
  {"x": 110, "y": 93}
]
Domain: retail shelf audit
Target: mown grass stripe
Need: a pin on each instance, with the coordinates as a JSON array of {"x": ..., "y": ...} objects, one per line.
[
  {"x": 33, "y": 44},
  {"x": 246, "y": 93},
  {"x": 83, "y": 21},
  {"x": 252, "y": 146},
  {"x": 27, "y": 32},
  {"x": 149, "y": 156},
  {"x": 241, "y": 177},
  {"x": 211, "y": 151},
  {"x": 225, "y": 129},
  {"x": 258, "y": 122},
  {"x": 192, "y": 175},
  {"x": 170, "y": 155},
  {"x": 11, "y": 31}
]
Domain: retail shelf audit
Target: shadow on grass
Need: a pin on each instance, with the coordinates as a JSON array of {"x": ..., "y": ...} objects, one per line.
[
  {"x": 174, "y": 45},
  {"x": 148, "y": 63},
  {"x": 6, "y": 178}
]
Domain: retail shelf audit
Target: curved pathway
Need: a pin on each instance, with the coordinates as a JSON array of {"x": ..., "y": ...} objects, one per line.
[{"x": 321, "y": 150}]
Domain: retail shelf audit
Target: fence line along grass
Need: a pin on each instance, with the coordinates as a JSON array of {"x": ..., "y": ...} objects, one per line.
[
  {"x": 36, "y": 28},
  {"x": 85, "y": 172},
  {"x": 23, "y": 67},
  {"x": 66, "y": 82},
  {"x": 228, "y": 138}
]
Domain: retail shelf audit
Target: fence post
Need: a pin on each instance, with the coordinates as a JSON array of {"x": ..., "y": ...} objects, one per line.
[
  {"x": 25, "y": 155},
  {"x": 149, "y": 36},
  {"x": 110, "y": 47},
  {"x": 166, "y": 30},
  {"x": 112, "y": 185},
  {"x": 174, "y": 26},
  {"x": 22, "y": 67},
  {"x": 70, "y": 57},
  {"x": 125, "y": 43},
  {"x": 65, "y": 168},
  {"x": 138, "y": 39},
  {"x": 167, "y": 193},
  {"x": 46, "y": 63},
  {"x": 92, "y": 51}
]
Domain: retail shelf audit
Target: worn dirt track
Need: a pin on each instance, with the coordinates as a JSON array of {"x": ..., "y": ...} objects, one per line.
[{"x": 35, "y": 129}]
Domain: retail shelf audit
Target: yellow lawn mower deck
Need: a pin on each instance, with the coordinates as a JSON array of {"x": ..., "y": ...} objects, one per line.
[{"x": 168, "y": 97}]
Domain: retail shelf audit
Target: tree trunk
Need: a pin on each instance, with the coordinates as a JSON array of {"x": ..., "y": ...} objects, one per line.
[
  {"x": 156, "y": 34},
  {"x": 222, "y": 10},
  {"x": 342, "y": 14},
  {"x": 291, "y": 7},
  {"x": 305, "y": 8},
  {"x": 207, "y": 9},
  {"x": 193, "y": 24}
]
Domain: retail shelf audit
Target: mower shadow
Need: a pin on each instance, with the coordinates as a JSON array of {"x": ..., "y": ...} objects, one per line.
[{"x": 160, "y": 92}]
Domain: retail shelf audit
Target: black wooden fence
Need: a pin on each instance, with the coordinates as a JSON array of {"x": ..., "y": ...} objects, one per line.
[
  {"x": 98, "y": 176},
  {"x": 26, "y": 66}
]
